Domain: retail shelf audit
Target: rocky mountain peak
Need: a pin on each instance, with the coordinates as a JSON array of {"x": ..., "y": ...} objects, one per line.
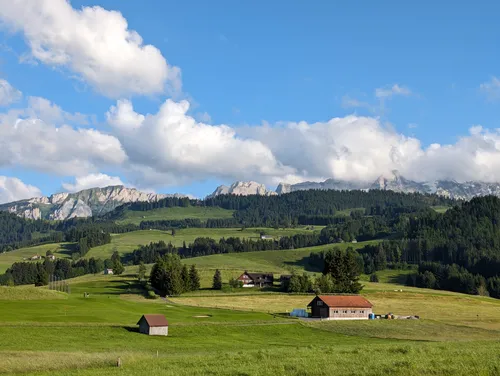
[
  {"x": 86, "y": 203},
  {"x": 243, "y": 188}
]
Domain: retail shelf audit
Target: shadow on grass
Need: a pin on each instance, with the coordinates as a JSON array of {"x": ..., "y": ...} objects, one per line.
[
  {"x": 68, "y": 249},
  {"x": 304, "y": 263},
  {"x": 131, "y": 329}
]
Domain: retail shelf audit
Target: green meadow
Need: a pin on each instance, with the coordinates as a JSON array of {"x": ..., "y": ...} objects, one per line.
[
  {"x": 127, "y": 242},
  {"x": 237, "y": 331},
  {"x": 193, "y": 212},
  {"x": 45, "y": 332}
]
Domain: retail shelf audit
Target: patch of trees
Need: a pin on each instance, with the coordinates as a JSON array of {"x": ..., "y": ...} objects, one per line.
[
  {"x": 17, "y": 232},
  {"x": 38, "y": 273},
  {"x": 170, "y": 277},
  {"x": 323, "y": 205},
  {"x": 453, "y": 278},
  {"x": 189, "y": 222},
  {"x": 87, "y": 237},
  {"x": 341, "y": 270},
  {"x": 204, "y": 246}
]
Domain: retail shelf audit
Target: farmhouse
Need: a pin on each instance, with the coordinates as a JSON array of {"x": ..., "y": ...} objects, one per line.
[
  {"x": 108, "y": 271},
  {"x": 153, "y": 325},
  {"x": 35, "y": 257},
  {"x": 340, "y": 307},
  {"x": 256, "y": 279}
]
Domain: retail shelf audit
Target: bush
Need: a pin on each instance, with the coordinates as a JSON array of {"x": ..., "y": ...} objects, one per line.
[
  {"x": 234, "y": 283},
  {"x": 152, "y": 295},
  {"x": 374, "y": 277}
]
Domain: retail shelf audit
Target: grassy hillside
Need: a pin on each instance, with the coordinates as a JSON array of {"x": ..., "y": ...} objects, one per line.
[
  {"x": 87, "y": 335},
  {"x": 202, "y": 213},
  {"x": 127, "y": 242},
  {"x": 61, "y": 250},
  {"x": 277, "y": 262}
]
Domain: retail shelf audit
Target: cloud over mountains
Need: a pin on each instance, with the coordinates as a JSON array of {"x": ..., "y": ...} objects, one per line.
[{"x": 171, "y": 147}]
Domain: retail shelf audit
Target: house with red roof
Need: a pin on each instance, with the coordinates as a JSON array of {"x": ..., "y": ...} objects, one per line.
[{"x": 340, "y": 307}]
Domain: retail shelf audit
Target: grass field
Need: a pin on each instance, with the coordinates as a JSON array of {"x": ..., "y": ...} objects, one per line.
[
  {"x": 440, "y": 209},
  {"x": 277, "y": 262},
  {"x": 8, "y": 258},
  {"x": 85, "y": 336},
  {"x": 202, "y": 213},
  {"x": 127, "y": 242}
]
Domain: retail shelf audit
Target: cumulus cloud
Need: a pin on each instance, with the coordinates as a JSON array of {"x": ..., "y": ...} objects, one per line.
[
  {"x": 387, "y": 92},
  {"x": 491, "y": 88},
  {"x": 8, "y": 93},
  {"x": 33, "y": 143},
  {"x": 92, "y": 181},
  {"x": 173, "y": 143},
  {"x": 43, "y": 109},
  {"x": 94, "y": 43},
  {"x": 13, "y": 189}
]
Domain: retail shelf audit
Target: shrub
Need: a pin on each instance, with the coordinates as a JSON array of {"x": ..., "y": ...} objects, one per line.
[
  {"x": 374, "y": 277},
  {"x": 152, "y": 295}
]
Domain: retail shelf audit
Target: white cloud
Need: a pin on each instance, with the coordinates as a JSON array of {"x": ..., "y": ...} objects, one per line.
[
  {"x": 92, "y": 181},
  {"x": 387, "y": 92},
  {"x": 63, "y": 150},
  {"x": 94, "y": 43},
  {"x": 43, "y": 109},
  {"x": 491, "y": 88},
  {"x": 8, "y": 93},
  {"x": 173, "y": 143},
  {"x": 13, "y": 189}
]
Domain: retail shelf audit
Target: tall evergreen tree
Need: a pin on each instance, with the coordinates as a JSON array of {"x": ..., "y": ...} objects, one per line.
[
  {"x": 217, "y": 284},
  {"x": 194, "y": 278}
]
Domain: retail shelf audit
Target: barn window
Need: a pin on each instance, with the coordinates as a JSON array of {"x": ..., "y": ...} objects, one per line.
[
  {"x": 353, "y": 311},
  {"x": 344, "y": 311},
  {"x": 320, "y": 302}
]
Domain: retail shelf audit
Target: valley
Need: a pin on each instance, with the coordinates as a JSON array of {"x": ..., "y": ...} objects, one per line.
[{"x": 93, "y": 324}]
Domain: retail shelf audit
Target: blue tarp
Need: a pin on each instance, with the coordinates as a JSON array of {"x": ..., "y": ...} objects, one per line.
[{"x": 299, "y": 313}]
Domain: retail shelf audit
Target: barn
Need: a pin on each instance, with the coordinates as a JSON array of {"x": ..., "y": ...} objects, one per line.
[
  {"x": 340, "y": 307},
  {"x": 153, "y": 325}
]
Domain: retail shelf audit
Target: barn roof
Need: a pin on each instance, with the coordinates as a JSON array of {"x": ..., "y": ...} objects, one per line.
[
  {"x": 345, "y": 301},
  {"x": 154, "y": 320}
]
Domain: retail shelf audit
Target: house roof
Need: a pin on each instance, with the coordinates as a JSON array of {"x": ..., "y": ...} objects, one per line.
[
  {"x": 154, "y": 320},
  {"x": 345, "y": 301},
  {"x": 259, "y": 276}
]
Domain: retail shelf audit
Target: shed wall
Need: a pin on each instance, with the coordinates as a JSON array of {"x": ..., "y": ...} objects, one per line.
[
  {"x": 349, "y": 313},
  {"x": 143, "y": 327},
  {"x": 158, "y": 331}
]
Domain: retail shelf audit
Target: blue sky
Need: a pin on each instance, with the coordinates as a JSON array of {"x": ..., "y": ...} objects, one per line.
[{"x": 243, "y": 65}]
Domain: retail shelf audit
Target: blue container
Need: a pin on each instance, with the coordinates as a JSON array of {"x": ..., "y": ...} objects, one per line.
[{"x": 371, "y": 316}]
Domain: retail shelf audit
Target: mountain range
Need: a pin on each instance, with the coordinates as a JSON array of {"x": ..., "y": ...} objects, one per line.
[
  {"x": 86, "y": 203},
  {"x": 98, "y": 201},
  {"x": 394, "y": 182}
]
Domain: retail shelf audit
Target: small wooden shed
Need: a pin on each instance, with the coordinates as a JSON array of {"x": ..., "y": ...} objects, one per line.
[{"x": 153, "y": 325}]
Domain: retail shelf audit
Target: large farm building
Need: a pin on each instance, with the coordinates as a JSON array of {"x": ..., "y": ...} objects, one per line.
[{"x": 340, "y": 307}]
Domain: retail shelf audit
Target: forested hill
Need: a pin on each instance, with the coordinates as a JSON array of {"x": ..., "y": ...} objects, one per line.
[
  {"x": 467, "y": 235},
  {"x": 313, "y": 207}
]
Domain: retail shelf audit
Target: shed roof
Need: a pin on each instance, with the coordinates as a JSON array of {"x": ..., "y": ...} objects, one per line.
[
  {"x": 154, "y": 320},
  {"x": 341, "y": 301}
]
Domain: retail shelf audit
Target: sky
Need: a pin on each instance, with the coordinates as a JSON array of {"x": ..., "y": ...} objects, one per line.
[{"x": 183, "y": 96}]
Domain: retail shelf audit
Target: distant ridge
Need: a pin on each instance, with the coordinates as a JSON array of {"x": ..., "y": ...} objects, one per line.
[{"x": 86, "y": 203}]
